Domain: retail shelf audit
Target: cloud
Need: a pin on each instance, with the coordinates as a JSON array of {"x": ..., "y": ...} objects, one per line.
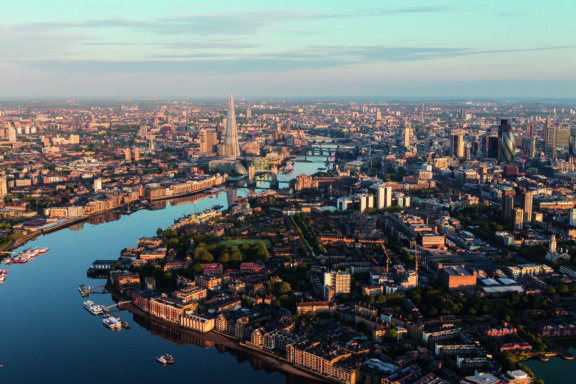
[
  {"x": 224, "y": 23},
  {"x": 219, "y": 64}
]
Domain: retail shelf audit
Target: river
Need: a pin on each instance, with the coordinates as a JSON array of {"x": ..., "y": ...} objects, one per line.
[
  {"x": 46, "y": 335},
  {"x": 556, "y": 370}
]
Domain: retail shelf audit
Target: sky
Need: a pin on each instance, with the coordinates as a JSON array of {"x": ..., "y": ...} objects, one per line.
[{"x": 195, "y": 49}]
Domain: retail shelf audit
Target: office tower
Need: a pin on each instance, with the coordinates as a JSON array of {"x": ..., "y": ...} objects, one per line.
[
  {"x": 406, "y": 135},
  {"x": 493, "y": 147},
  {"x": 3, "y": 187},
  {"x": 517, "y": 220},
  {"x": 11, "y": 134},
  {"x": 248, "y": 113},
  {"x": 573, "y": 217},
  {"x": 127, "y": 154},
  {"x": 528, "y": 148},
  {"x": 507, "y": 142},
  {"x": 549, "y": 140},
  {"x": 529, "y": 130},
  {"x": 97, "y": 185},
  {"x": 137, "y": 154},
  {"x": 562, "y": 137},
  {"x": 507, "y": 206},
  {"x": 208, "y": 141},
  {"x": 527, "y": 205},
  {"x": 467, "y": 151},
  {"x": 230, "y": 146},
  {"x": 458, "y": 145},
  {"x": 378, "y": 115}
]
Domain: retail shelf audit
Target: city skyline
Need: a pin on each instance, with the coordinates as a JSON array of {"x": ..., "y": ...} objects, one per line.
[{"x": 373, "y": 49}]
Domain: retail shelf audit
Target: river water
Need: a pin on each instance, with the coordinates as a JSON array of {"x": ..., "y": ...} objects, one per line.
[
  {"x": 556, "y": 370},
  {"x": 47, "y": 337}
]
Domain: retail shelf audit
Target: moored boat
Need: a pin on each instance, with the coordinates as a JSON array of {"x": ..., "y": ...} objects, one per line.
[
  {"x": 92, "y": 308},
  {"x": 112, "y": 323},
  {"x": 3, "y": 274},
  {"x": 161, "y": 360},
  {"x": 125, "y": 325},
  {"x": 169, "y": 359}
]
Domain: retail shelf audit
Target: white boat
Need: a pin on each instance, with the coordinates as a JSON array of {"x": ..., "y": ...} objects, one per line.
[
  {"x": 3, "y": 274},
  {"x": 112, "y": 323},
  {"x": 162, "y": 360},
  {"x": 92, "y": 308},
  {"x": 216, "y": 190}
]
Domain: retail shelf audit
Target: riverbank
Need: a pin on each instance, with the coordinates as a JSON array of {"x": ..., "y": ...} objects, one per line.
[{"x": 276, "y": 362}]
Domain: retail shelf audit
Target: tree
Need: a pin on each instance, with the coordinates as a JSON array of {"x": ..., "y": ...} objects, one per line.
[
  {"x": 201, "y": 254},
  {"x": 224, "y": 258},
  {"x": 159, "y": 231},
  {"x": 563, "y": 289},
  {"x": 391, "y": 335},
  {"x": 198, "y": 268},
  {"x": 550, "y": 291},
  {"x": 381, "y": 299},
  {"x": 451, "y": 364},
  {"x": 284, "y": 288}
]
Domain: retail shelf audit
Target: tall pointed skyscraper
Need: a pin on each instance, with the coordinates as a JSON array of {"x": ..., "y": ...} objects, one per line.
[{"x": 230, "y": 146}]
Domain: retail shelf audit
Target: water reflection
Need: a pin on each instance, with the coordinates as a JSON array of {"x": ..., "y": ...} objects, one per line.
[{"x": 180, "y": 337}]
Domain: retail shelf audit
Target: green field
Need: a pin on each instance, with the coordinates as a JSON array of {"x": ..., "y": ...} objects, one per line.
[{"x": 246, "y": 241}]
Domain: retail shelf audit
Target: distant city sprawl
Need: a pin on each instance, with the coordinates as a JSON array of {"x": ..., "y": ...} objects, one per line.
[{"x": 371, "y": 242}]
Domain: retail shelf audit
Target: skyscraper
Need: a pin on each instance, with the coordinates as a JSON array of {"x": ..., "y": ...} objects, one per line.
[
  {"x": 529, "y": 130},
  {"x": 507, "y": 142},
  {"x": 527, "y": 206},
  {"x": 406, "y": 135},
  {"x": 458, "y": 145},
  {"x": 550, "y": 140},
  {"x": 208, "y": 141},
  {"x": 507, "y": 206},
  {"x": 230, "y": 146},
  {"x": 378, "y": 115},
  {"x": 517, "y": 220}
]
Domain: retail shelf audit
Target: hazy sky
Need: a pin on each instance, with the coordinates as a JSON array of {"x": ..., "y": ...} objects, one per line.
[{"x": 466, "y": 48}]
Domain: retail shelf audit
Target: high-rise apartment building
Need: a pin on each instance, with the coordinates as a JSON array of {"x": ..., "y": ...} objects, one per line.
[
  {"x": 384, "y": 196},
  {"x": 378, "y": 115},
  {"x": 3, "y": 187},
  {"x": 507, "y": 206},
  {"x": 336, "y": 283},
  {"x": 97, "y": 185},
  {"x": 137, "y": 153},
  {"x": 406, "y": 136},
  {"x": 127, "y": 154},
  {"x": 11, "y": 134},
  {"x": 573, "y": 217}
]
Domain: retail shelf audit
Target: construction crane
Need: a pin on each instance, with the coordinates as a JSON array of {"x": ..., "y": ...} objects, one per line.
[{"x": 387, "y": 257}]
